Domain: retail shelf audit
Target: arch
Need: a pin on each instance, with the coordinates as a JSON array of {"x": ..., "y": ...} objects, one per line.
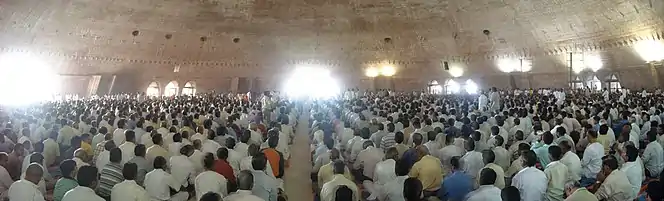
[
  {"x": 434, "y": 87},
  {"x": 613, "y": 82},
  {"x": 171, "y": 89},
  {"x": 153, "y": 89},
  {"x": 471, "y": 87},
  {"x": 593, "y": 83},
  {"x": 452, "y": 87},
  {"x": 577, "y": 83},
  {"x": 189, "y": 88}
]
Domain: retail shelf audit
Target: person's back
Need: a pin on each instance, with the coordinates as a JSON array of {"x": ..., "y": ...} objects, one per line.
[
  {"x": 412, "y": 189},
  {"x": 457, "y": 184}
]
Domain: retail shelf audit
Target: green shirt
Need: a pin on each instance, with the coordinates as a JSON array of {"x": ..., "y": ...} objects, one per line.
[{"x": 62, "y": 186}]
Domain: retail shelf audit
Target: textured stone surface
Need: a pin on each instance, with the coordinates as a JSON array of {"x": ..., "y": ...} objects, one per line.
[{"x": 215, "y": 40}]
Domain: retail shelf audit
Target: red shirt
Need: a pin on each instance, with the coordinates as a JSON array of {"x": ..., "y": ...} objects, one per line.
[{"x": 222, "y": 167}]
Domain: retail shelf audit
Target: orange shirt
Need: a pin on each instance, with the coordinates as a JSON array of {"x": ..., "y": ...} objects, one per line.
[{"x": 274, "y": 159}]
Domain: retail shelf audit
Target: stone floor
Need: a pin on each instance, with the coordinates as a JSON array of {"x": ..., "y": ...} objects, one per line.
[{"x": 297, "y": 181}]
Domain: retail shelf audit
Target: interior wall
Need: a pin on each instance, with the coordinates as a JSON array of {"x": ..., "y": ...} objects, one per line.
[{"x": 547, "y": 72}]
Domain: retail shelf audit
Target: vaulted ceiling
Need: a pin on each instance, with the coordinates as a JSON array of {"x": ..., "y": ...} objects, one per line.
[{"x": 251, "y": 33}]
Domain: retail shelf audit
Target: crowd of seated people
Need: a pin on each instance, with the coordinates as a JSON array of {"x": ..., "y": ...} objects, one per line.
[
  {"x": 532, "y": 145},
  {"x": 208, "y": 147}
]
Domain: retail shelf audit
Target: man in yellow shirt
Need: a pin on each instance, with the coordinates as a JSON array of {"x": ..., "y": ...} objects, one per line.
[
  {"x": 428, "y": 170},
  {"x": 85, "y": 144}
]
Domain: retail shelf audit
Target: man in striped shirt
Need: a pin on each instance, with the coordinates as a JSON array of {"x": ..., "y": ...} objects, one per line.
[
  {"x": 111, "y": 174},
  {"x": 388, "y": 141}
]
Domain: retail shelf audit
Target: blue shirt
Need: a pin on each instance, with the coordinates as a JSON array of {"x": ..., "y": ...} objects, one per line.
[
  {"x": 542, "y": 152},
  {"x": 264, "y": 186},
  {"x": 456, "y": 186},
  {"x": 409, "y": 158}
]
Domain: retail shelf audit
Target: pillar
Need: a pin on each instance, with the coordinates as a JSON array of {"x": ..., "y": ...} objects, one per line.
[
  {"x": 235, "y": 82},
  {"x": 655, "y": 74}
]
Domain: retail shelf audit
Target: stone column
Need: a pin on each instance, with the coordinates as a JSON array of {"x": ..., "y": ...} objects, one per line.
[
  {"x": 655, "y": 74},
  {"x": 235, "y": 82}
]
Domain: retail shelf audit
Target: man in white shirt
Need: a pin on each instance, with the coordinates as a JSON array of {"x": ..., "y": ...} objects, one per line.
[
  {"x": 502, "y": 155},
  {"x": 383, "y": 173},
  {"x": 357, "y": 146},
  {"x": 26, "y": 189},
  {"x": 367, "y": 160},
  {"x": 345, "y": 136},
  {"x": 234, "y": 157},
  {"x": 242, "y": 148},
  {"x": 5, "y": 179},
  {"x": 245, "y": 182},
  {"x": 129, "y": 190},
  {"x": 556, "y": 174},
  {"x": 181, "y": 168},
  {"x": 174, "y": 147},
  {"x": 633, "y": 170},
  {"x": 128, "y": 146},
  {"x": 209, "y": 180},
  {"x": 487, "y": 190},
  {"x": 531, "y": 182},
  {"x": 591, "y": 162},
  {"x": 447, "y": 152},
  {"x": 209, "y": 145},
  {"x": 653, "y": 155},
  {"x": 615, "y": 185},
  {"x": 571, "y": 161},
  {"x": 88, "y": 179},
  {"x": 119, "y": 133},
  {"x": 329, "y": 189},
  {"x": 472, "y": 162},
  {"x": 159, "y": 183}
]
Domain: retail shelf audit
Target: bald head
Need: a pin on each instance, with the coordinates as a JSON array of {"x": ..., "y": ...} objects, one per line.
[
  {"x": 34, "y": 173},
  {"x": 245, "y": 180}
]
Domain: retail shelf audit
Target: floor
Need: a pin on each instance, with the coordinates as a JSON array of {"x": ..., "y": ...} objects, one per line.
[{"x": 297, "y": 181}]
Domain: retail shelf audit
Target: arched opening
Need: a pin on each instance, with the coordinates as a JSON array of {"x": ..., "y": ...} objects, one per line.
[
  {"x": 613, "y": 82},
  {"x": 452, "y": 87},
  {"x": 434, "y": 87},
  {"x": 577, "y": 83},
  {"x": 153, "y": 89},
  {"x": 171, "y": 89},
  {"x": 471, "y": 87},
  {"x": 594, "y": 83},
  {"x": 189, "y": 88}
]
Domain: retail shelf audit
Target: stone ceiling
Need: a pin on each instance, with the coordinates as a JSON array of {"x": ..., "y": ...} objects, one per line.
[{"x": 249, "y": 32}]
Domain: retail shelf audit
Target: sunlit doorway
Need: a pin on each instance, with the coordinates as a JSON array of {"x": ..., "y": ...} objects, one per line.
[
  {"x": 153, "y": 89},
  {"x": 189, "y": 88},
  {"x": 452, "y": 87},
  {"x": 594, "y": 83},
  {"x": 171, "y": 89},
  {"x": 434, "y": 88}
]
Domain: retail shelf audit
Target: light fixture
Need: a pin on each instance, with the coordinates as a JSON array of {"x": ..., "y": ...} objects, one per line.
[
  {"x": 388, "y": 70},
  {"x": 371, "y": 72},
  {"x": 508, "y": 65},
  {"x": 456, "y": 71},
  {"x": 650, "y": 50}
]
